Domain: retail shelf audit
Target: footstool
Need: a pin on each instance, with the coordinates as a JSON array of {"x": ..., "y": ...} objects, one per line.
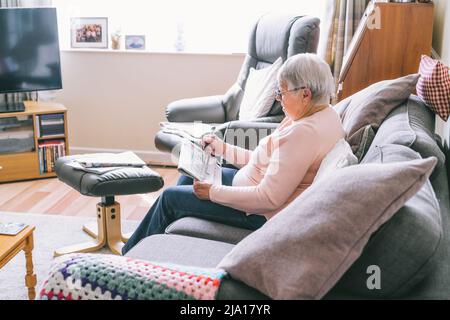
[{"x": 123, "y": 181}]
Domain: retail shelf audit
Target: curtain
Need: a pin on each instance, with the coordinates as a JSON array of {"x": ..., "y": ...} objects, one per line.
[
  {"x": 341, "y": 21},
  {"x": 17, "y": 97}
]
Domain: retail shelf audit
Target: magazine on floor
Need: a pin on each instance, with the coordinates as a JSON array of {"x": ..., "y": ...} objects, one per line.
[{"x": 11, "y": 229}]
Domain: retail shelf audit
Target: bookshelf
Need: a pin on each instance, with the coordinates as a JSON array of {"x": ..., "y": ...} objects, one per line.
[{"x": 31, "y": 141}]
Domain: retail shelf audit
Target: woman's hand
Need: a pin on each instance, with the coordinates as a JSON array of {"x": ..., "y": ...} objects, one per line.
[
  {"x": 214, "y": 145},
  {"x": 201, "y": 190}
]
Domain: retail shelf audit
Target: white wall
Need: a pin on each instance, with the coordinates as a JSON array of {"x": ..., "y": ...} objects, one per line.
[
  {"x": 441, "y": 44},
  {"x": 441, "y": 36},
  {"x": 116, "y": 100}
]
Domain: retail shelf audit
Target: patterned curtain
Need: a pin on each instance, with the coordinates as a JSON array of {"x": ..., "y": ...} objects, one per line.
[
  {"x": 17, "y": 97},
  {"x": 343, "y": 17}
]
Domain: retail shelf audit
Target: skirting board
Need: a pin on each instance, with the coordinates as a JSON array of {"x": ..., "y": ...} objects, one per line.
[{"x": 150, "y": 157}]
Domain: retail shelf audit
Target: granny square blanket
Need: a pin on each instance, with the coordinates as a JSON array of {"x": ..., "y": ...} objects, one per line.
[{"x": 110, "y": 277}]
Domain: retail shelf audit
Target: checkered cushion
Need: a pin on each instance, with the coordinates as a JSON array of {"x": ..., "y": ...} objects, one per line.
[{"x": 434, "y": 86}]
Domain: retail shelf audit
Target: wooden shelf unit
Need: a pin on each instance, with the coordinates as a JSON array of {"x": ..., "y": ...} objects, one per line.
[
  {"x": 25, "y": 165},
  {"x": 390, "y": 52}
]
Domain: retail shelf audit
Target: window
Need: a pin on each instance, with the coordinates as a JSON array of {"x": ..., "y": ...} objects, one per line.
[{"x": 207, "y": 26}]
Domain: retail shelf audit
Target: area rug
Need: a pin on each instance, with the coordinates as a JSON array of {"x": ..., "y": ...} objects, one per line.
[{"x": 51, "y": 232}]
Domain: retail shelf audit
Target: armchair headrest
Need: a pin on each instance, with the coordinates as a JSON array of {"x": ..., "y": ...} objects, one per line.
[{"x": 281, "y": 35}]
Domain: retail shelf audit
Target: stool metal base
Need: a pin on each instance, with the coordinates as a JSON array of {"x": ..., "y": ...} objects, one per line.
[{"x": 106, "y": 232}]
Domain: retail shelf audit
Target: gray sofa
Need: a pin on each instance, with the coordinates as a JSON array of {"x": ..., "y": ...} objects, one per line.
[{"x": 413, "y": 248}]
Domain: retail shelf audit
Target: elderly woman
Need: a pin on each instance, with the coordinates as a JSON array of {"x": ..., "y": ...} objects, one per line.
[{"x": 282, "y": 166}]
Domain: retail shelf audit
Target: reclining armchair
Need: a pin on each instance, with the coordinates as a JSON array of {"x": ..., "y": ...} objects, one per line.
[{"x": 273, "y": 36}]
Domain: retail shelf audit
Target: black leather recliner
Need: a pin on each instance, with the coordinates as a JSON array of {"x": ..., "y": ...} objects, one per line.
[{"x": 273, "y": 36}]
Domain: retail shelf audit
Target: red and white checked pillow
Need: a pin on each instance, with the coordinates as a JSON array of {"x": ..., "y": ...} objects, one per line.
[{"x": 434, "y": 86}]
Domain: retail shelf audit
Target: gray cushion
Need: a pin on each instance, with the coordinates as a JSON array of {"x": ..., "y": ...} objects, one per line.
[
  {"x": 180, "y": 250},
  {"x": 372, "y": 105},
  {"x": 205, "y": 229},
  {"x": 124, "y": 181},
  {"x": 412, "y": 125},
  {"x": 304, "y": 250},
  {"x": 405, "y": 247}
]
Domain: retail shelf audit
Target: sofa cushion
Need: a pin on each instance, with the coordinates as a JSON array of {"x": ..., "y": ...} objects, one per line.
[
  {"x": 340, "y": 156},
  {"x": 405, "y": 246},
  {"x": 180, "y": 250},
  {"x": 372, "y": 105},
  {"x": 412, "y": 125},
  {"x": 304, "y": 250},
  {"x": 259, "y": 94},
  {"x": 199, "y": 228}
]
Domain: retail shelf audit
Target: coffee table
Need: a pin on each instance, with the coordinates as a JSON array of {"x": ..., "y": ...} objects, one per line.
[{"x": 10, "y": 246}]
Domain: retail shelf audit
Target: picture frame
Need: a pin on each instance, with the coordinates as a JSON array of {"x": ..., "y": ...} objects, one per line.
[
  {"x": 135, "y": 42},
  {"x": 88, "y": 32}
]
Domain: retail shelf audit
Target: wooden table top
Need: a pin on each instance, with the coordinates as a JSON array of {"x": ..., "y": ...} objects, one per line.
[{"x": 9, "y": 243}]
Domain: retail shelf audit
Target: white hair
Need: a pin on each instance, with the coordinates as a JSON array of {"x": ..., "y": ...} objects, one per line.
[{"x": 310, "y": 71}]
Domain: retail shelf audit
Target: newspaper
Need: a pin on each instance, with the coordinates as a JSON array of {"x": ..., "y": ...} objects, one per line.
[
  {"x": 198, "y": 164},
  {"x": 100, "y": 170},
  {"x": 125, "y": 159},
  {"x": 99, "y": 163},
  {"x": 194, "y": 130}
]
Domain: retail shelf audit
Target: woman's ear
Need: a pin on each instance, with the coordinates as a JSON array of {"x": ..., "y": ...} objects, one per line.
[{"x": 306, "y": 95}]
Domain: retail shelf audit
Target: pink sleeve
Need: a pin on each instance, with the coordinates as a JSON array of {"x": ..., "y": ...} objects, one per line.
[
  {"x": 237, "y": 156},
  {"x": 296, "y": 153}
]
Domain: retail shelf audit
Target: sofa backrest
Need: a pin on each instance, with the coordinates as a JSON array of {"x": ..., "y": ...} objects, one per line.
[
  {"x": 411, "y": 248},
  {"x": 446, "y": 143},
  {"x": 272, "y": 36},
  {"x": 412, "y": 125}
]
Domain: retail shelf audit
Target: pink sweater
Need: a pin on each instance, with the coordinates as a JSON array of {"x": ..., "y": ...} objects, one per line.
[{"x": 282, "y": 166}]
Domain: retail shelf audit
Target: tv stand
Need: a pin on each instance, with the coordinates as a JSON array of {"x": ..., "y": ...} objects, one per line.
[
  {"x": 11, "y": 107},
  {"x": 33, "y": 146}
]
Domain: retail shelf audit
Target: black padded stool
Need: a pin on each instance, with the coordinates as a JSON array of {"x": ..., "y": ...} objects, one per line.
[{"x": 125, "y": 181}]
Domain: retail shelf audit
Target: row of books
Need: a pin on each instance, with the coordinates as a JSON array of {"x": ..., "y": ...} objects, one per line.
[
  {"x": 49, "y": 125},
  {"x": 49, "y": 151}
]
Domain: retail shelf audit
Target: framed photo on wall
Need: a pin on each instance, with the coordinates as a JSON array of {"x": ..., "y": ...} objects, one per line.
[
  {"x": 133, "y": 42},
  {"x": 89, "y": 33}
]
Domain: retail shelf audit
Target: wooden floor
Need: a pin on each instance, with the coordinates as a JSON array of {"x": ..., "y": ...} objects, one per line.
[{"x": 52, "y": 197}]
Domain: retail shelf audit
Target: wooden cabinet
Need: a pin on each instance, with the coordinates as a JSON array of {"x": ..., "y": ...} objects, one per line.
[
  {"x": 388, "y": 44},
  {"x": 21, "y": 149}
]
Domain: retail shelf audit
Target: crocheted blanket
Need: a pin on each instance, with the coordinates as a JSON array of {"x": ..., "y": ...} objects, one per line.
[{"x": 108, "y": 277}]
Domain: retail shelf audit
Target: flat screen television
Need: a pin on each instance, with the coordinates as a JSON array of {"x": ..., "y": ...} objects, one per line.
[{"x": 29, "y": 52}]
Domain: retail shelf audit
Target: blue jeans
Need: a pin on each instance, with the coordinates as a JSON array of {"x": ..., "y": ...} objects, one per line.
[{"x": 180, "y": 201}]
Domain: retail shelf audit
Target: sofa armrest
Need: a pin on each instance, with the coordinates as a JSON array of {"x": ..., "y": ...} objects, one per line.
[
  {"x": 206, "y": 109},
  {"x": 245, "y": 134},
  {"x": 271, "y": 119}
]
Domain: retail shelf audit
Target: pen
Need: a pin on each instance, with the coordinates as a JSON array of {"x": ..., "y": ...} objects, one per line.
[{"x": 211, "y": 132}]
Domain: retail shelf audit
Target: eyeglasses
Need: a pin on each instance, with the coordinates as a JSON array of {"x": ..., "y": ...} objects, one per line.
[{"x": 279, "y": 94}]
